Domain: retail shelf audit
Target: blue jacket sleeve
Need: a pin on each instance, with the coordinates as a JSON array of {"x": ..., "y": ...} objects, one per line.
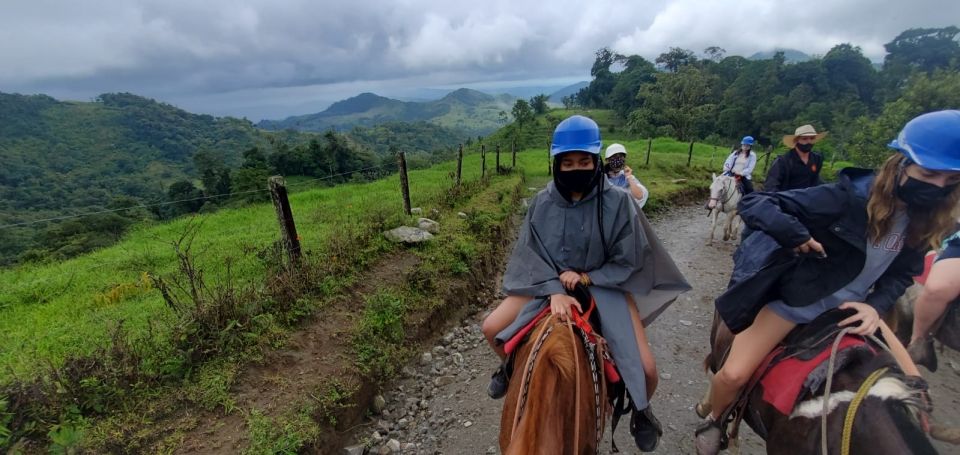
[{"x": 783, "y": 215}]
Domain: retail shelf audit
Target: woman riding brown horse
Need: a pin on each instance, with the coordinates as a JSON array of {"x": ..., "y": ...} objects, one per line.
[{"x": 580, "y": 230}]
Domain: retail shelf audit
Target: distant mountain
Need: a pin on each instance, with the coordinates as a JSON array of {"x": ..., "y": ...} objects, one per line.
[
  {"x": 526, "y": 92},
  {"x": 557, "y": 96},
  {"x": 791, "y": 55},
  {"x": 465, "y": 110}
]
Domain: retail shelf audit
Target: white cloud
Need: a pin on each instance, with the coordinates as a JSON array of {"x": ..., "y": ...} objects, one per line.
[
  {"x": 445, "y": 43},
  {"x": 179, "y": 49}
]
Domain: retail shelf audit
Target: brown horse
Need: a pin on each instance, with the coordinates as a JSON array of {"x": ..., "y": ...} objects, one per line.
[
  {"x": 885, "y": 423},
  {"x": 555, "y": 395}
]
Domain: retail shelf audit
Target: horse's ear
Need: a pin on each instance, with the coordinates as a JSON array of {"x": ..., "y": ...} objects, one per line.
[{"x": 713, "y": 175}]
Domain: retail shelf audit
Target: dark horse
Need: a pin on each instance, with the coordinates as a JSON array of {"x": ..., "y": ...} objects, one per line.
[
  {"x": 885, "y": 423},
  {"x": 562, "y": 409}
]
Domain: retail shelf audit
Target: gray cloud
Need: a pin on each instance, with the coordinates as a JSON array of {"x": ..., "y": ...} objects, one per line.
[{"x": 258, "y": 57}]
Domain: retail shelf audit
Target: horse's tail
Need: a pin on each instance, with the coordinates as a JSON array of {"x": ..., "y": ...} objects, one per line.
[{"x": 550, "y": 408}]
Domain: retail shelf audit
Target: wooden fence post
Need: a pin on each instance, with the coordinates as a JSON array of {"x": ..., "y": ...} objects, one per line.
[
  {"x": 498, "y": 159},
  {"x": 690, "y": 154},
  {"x": 483, "y": 161},
  {"x": 649, "y": 146},
  {"x": 404, "y": 182},
  {"x": 288, "y": 229},
  {"x": 459, "y": 164},
  {"x": 513, "y": 152},
  {"x": 766, "y": 159}
]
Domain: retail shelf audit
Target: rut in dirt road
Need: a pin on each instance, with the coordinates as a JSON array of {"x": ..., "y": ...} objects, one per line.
[{"x": 441, "y": 405}]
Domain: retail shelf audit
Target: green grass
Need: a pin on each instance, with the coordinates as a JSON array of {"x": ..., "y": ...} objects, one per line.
[{"x": 49, "y": 311}]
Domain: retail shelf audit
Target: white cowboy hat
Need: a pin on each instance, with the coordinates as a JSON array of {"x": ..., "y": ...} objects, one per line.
[
  {"x": 614, "y": 149},
  {"x": 806, "y": 131}
]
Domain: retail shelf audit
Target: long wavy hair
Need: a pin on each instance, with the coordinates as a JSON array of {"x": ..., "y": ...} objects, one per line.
[{"x": 927, "y": 227}]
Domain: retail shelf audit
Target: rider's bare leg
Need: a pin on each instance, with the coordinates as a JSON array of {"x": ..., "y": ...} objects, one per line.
[
  {"x": 747, "y": 352},
  {"x": 646, "y": 354},
  {"x": 500, "y": 318},
  {"x": 941, "y": 288}
]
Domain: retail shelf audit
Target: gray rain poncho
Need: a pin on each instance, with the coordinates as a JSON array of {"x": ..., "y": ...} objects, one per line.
[{"x": 559, "y": 235}]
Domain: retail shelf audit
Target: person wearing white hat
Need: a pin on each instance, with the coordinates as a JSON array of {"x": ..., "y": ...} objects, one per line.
[
  {"x": 800, "y": 166},
  {"x": 620, "y": 175}
]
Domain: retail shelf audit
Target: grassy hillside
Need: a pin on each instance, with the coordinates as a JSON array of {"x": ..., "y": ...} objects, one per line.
[
  {"x": 53, "y": 315},
  {"x": 64, "y": 317}
]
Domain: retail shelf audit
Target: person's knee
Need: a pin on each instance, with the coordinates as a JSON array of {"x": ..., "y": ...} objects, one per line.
[
  {"x": 733, "y": 377},
  {"x": 490, "y": 327}
]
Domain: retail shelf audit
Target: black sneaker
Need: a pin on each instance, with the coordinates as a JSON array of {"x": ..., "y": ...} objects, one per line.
[
  {"x": 922, "y": 353},
  {"x": 645, "y": 429},
  {"x": 498, "y": 384}
]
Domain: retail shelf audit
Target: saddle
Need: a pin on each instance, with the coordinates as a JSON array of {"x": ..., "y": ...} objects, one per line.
[
  {"x": 798, "y": 367},
  {"x": 590, "y": 324}
]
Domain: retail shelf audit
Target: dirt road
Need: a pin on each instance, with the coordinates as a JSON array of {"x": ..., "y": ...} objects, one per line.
[{"x": 442, "y": 407}]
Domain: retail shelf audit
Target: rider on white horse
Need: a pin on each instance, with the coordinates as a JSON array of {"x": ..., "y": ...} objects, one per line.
[{"x": 740, "y": 165}]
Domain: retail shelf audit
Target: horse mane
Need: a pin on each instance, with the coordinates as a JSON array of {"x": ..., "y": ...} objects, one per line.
[
  {"x": 544, "y": 426},
  {"x": 902, "y": 403}
]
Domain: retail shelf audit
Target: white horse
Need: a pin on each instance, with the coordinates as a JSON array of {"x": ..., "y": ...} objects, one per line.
[{"x": 724, "y": 196}]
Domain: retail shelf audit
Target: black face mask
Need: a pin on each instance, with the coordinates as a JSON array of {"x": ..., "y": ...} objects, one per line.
[
  {"x": 578, "y": 181},
  {"x": 616, "y": 163},
  {"x": 922, "y": 195},
  {"x": 805, "y": 147}
]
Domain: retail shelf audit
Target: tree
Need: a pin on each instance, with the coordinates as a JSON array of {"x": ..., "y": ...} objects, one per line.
[
  {"x": 849, "y": 74},
  {"x": 185, "y": 198},
  {"x": 502, "y": 118},
  {"x": 253, "y": 158},
  {"x": 923, "y": 93},
  {"x": 539, "y": 104},
  {"x": 921, "y": 49},
  {"x": 676, "y": 58},
  {"x": 597, "y": 93},
  {"x": 522, "y": 113},
  {"x": 637, "y": 71},
  {"x": 682, "y": 100},
  {"x": 715, "y": 53},
  {"x": 568, "y": 101}
]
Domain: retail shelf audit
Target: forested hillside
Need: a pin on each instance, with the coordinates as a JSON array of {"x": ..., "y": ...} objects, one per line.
[
  {"x": 130, "y": 159},
  {"x": 718, "y": 97}
]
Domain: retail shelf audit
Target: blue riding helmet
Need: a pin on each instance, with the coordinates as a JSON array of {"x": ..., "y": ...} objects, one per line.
[
  {"x": 747, "y": 140},
  {"x": 576, "y": 134},
  {"x": 932, "y": 140}
]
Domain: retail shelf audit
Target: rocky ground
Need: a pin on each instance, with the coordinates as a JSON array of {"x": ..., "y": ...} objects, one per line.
[{"x": 441, "y": 407}]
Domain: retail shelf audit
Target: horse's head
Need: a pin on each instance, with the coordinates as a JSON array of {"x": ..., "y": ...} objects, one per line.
[{"x": 719, "y": 189}]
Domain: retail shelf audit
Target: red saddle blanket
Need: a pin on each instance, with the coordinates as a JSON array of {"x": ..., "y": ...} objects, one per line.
[
  {"x": 609, "y": 369},
  {"x": 783, "y": 381}
]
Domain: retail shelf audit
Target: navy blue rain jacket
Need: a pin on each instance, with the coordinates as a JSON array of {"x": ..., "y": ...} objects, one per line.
[{"x": 766, "y": 267}]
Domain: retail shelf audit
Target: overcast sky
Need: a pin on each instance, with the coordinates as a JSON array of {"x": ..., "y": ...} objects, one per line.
[{"x": 270, "y": 59}]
